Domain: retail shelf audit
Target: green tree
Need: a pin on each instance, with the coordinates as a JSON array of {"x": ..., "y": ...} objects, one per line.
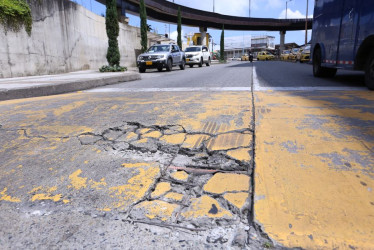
[
  {"x": 222, "y": 48},
  {"x": 112, "y": 30},
  {"x": 179, "y": 28},
  {"x": 143, "y": 26}
]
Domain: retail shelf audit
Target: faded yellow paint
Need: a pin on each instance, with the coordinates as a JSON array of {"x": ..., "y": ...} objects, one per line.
[
  {"x": 174, "y": 196},
  {"x": 144, "y": 130},
  {"x": 229, "y": 141},
  {"x": 76, "y": 181},
  {"x": 153, "y": 134},
  {"x": 67, "y": 108},
  {"x": 161, "y": 189},
  {"x": 59, "y": 130},
  {"x": 205, "y": 206},
  {"x": 65, "y": 201},
  {"x": 131, "y": 136},
  {"x": 175, "y": 139},
  {"x": 241, "y": 154},
  {"x": 40, "y": 197},
  {"x": 194, "y": 141},
  {"x": 226, "y": 182},
  {"x": 157, "y": 209},
  {"x": 5, "y": 197},
  {"x": 98, "y": 185},
  {"x": 237, "y": 199},
  {"x": 314, "y": 186},
  {"x": 137, "y": 186},
  {"x": 179, "y": 176}
]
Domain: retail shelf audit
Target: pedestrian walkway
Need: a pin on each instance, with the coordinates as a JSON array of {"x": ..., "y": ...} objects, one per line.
[{"x": 32, "y": 86}]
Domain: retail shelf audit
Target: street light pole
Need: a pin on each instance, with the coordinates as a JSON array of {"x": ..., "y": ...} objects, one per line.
[
  {"x": 306, "y": 23},
  {"x": 213, "y": 6},
  {"x": 249, "y": 8},
  {"x": 287, "y": 6}
]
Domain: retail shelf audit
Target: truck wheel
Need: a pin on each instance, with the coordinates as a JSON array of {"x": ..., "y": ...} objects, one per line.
[
  {"x": 169, "y": 65},
  {"x": 318, "y": 70},
  {"x": 182, "y": 66},
  {"x": 201, "y": 62},
  {"x": 208, "y": 63},
  {"x": 369, "y": 72},
  {"x": 141, "y": 70}
]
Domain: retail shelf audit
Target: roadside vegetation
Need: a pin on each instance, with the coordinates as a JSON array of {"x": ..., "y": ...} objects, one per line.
[
  {"x": 112, "y": 29},
  {"x": 179, "y": 28},
  {"x": 222, "y": 47},
  {"x": 143, "y": 26},
  {"x": 14, "y": 14}
]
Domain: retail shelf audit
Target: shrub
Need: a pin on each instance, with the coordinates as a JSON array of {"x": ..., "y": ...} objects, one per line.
[
  {"x": 14, "y": 14},
  {"x": 114, "y": 68},
  {"x": 112, "y": 29}
]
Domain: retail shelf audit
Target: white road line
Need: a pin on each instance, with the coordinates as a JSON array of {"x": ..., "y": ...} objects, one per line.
[
  {"x": 216, "y": 89},
  {"x": 257, "y": 86}
]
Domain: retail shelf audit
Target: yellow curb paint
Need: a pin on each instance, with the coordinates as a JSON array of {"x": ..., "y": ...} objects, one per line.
[
  {"x": 157, "y": 209},
  {"x": 179, "y": 176},
  {"x": 229, "y": 141},
  {"x": 175, "y": 139},
  {"x": 194, "y": 141},
  {"x": 76, "y": 181},
  {"x": 174, "y": 196},
  {"x": 227, "y": 182},
  {"x": 161, "y": 189},
  {"x": 5, "y": 197},
  {"x": 241, "y": 154},
  {"x": 237, "y": 199},
  {"x": 153, "y": 134},
  {"x": 206, "y": 206},
  {"x": 314, "y": 188}
]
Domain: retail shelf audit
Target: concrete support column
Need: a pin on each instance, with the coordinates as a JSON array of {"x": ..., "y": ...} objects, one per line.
[
  {"x": 203, "y": 31},
  {"x": 282, "y": 39}
]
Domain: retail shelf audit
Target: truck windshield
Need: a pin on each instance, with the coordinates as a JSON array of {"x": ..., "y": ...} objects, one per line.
[
  {"x": 160, "y": 48},
  {"x": 193, "y": 49}
]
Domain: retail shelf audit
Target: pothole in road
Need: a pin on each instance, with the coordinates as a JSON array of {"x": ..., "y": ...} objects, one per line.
[{"x": 206, "y": 184}]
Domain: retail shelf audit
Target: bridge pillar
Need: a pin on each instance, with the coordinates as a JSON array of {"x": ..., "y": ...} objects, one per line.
[
  {"x": 203, "y": 31},
  {"x": 282, "y": 39}
]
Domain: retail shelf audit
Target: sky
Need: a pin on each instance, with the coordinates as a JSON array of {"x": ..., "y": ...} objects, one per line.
[{"x": 259, "y": 8}]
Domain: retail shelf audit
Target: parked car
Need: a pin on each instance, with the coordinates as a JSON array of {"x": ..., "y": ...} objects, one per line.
[
  {"x": 161, "y": 56},
  {"x": 265, "y": 56},
  {"x": 305, "y": 55},
  {"x": 284, "y": 55},
  {"x": 197, "y": 55},
  {"x": 293, "y": 54}
]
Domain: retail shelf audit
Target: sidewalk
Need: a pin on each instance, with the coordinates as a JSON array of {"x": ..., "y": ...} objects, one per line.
[{"x": 33, "y": 86}]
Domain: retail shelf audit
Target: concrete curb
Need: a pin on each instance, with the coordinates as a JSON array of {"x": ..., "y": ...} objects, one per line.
[{"x": 65, "y": 87}]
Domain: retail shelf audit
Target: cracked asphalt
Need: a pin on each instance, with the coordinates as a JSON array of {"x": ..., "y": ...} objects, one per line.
[{"x": 188, "y": 159}]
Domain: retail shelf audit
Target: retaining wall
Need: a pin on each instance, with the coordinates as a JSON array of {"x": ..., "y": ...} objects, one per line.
[{"x": 65, "y": 37}]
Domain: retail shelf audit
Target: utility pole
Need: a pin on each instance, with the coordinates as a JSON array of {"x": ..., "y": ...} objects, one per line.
[
  {"x": 169, "y": 26},
  {"x": 306, "y": 23},
  {"x": 213, "y": 6},
  {"x": 249, "y": 8},
  {"x": 287, "y": 6}
]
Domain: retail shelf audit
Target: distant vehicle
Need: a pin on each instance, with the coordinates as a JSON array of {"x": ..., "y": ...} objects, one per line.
[
  {"x": 265, "y": 56},
  {"x": 284, "y": 55},
  {"x": 161, "y": 56},
  {"x": 304, "y": 56},
  {"x": 343, "y": 38},
  {"x": 250, "y": 57},
  {"x": 197, "y": 55},
  {"x": 244, "y": 57},
  {"x": 293, "y": 55}
]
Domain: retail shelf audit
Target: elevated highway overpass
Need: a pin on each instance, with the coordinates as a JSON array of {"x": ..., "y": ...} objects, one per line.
[{"x": 165, "y": 11}]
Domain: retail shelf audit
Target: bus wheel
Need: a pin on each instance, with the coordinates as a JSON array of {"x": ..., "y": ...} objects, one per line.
[
  {"x": 369, "y": 72},
  {"x": 318, "y": 70}
]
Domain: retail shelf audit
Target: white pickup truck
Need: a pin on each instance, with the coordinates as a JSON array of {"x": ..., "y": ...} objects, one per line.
[{"x": 198, "y": 54}]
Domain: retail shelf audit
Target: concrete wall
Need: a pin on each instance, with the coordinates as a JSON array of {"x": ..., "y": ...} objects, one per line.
[{"x": 65, "y": 37}]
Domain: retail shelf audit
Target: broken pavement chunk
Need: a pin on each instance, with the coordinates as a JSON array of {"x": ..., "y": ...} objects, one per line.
[
  {"x": 229, "y": 141},
  {"x": 179, "y": 176},
  {"x": 159, "y": 210},
  {"x": 227, "y": 182}
]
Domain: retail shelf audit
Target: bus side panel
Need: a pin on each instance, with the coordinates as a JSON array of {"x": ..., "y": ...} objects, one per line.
[{"x": 326, "y": 28}]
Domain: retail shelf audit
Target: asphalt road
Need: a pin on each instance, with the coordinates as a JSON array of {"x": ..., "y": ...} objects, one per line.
[{"x": 237, "y": 74}]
